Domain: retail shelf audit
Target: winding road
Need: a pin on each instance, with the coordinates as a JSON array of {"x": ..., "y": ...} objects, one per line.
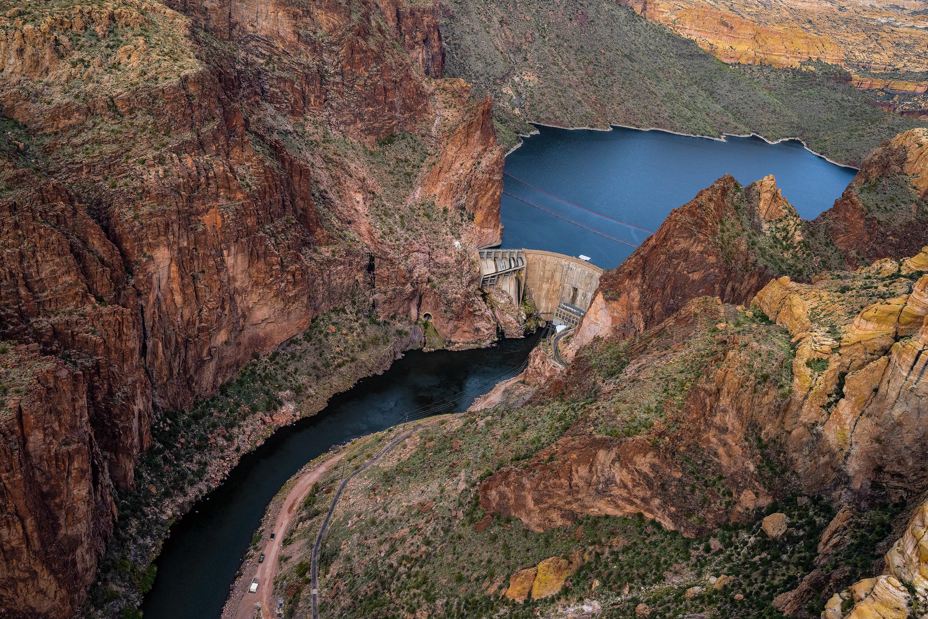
[
  {"x": 267, "y": 570},
  {"x": 317, "y": 546},
  {"x": 554, "y": 344}
]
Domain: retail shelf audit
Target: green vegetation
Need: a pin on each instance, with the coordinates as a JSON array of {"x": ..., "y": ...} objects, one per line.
[
  {"x": 893, "y": 201},
  {"x": 192, "y": 450},
  {"x": 411, "y": 533},
  {"x": 596, "y": 64}
]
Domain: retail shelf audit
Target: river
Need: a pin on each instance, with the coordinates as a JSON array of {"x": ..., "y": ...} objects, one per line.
[
  {"x": 633, "y": 176},
  {"x": 638, "y": 177},
  {"x": 200, "y": 559}
]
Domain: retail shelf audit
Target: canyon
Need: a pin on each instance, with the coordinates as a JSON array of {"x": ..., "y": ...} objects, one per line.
[
  {"x": 190, "y": 188},
  {"x": 186, "y": 186},
  {"x": 742, "y": 363}
]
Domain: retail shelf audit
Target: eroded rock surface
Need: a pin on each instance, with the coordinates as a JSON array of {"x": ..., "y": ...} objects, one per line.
[{"x": 195, "y": 183}]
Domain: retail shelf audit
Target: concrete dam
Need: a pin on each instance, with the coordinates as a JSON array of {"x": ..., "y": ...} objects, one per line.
[{"x": 561, "y": 287}]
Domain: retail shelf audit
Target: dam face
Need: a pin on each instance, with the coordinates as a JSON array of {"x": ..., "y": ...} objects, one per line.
[{"x": 561, "y": 287}]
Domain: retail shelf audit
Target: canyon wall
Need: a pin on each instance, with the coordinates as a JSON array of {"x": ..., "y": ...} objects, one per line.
[
  {"x": 186, "y": 186},
  {"x": 836, "y": 415},
  {"x": 878, "y": 36},
  {"x": 729, "y": 243}
]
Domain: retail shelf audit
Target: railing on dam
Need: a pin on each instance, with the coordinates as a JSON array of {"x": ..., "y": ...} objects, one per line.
[{"x": 558, "y": 285}]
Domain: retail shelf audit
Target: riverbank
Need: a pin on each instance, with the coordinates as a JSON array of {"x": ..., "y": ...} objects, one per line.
[
  {"x": 262, "y": 566},
  {"x": 717, "y": 138},
  {"x": 194, "y": 451},
  {"x": 199, "y": 561}
]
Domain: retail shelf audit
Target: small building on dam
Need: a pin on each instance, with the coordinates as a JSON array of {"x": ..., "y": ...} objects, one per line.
[{"x": 561, "y": 287}]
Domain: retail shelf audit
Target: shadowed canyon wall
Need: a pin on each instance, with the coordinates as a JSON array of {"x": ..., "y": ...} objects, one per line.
[{"x": 187, "y": 185}]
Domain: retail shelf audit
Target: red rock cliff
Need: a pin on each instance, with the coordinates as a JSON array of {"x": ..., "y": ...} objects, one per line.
[
  {"x": 196, "y": 188},
  {"x": 691, "y": 255}
]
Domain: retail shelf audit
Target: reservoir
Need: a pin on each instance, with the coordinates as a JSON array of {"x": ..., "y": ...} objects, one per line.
[
  {"x": 638, "y": 177},
  {"x": 200, "y": 559}
]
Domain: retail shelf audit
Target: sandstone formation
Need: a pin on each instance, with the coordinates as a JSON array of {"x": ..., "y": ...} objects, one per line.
[
  {"x": 878, "y": 36},
  {"x": 192, "y": 184},
  {"x": 901, "y": 590}
]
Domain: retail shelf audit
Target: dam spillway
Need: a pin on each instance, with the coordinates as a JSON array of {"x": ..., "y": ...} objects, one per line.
[{"x": 561, "y": 287}]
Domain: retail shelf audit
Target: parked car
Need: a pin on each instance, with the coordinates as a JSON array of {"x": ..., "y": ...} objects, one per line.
[
  {"x": 272, "y": 536},
  {"x": 261, "y": 559},
  {"x": 254, "y": 586}
]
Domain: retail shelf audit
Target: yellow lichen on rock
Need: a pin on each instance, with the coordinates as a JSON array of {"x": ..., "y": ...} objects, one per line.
[
  {"x": 875, "y": 327},
  {"x": 916, "y": 263},
  {"x": 550, "y": 578},
  {"x": 520, "y": 584},
  {"x": 859, "y": 389},
  {"x": 780, "y": 301}
]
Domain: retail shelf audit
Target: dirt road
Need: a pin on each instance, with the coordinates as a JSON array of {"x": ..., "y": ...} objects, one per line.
[{"x": 267, "y": 571}]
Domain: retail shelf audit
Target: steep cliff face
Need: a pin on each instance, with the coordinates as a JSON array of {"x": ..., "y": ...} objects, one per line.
[
  {"x": 53, "y": 483},
  {"x": 901, "y": 591},
  {"x": 187, "y": 185},
  {"x": 732, "y": 38},
  {"x": 884, "y": 211},
  {"x": 710, "y": 246},
  {"x": 834, "y": 398},
  {"x": 880, "y": 34},
  {"x": 729, "y": 243}
]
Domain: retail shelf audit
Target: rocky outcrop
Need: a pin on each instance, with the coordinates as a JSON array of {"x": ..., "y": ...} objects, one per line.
[
  {"x": 898, "y": 593},
  {"x": 476, "y": 187},
  {"x": 164, "y": 220},
  {"x": 53, "y": 483},
  {"x": 847, "y": 422},
  {"x": 714, "y": 245},
  {"x": 883, "y": 211},
  {"x": 700, "y": 249},
  {"x": 588, "y": 473},
  {"x": 877, "y": 35},
  {"x": 542, "y": 581}
]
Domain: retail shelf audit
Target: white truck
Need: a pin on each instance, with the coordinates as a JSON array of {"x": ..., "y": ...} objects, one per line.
[{"x": 254, "y": 586}]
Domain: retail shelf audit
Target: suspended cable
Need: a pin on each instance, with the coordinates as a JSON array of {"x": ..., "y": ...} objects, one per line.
[
  {"x": 577, "y": 205},
  {"x": 541, "y": 208}
]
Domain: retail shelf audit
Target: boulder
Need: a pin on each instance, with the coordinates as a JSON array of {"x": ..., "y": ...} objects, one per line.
[
  {"x": 520, "y": 584},
  {"x": 774, "y": 525},
  {"x": 550, "y": 577}
]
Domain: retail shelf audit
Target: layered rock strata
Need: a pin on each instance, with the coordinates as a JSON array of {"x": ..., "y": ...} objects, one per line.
[
  {"x": 845, "y": 422},
  {"x": 901, "y": 591},
  {"x": 187, "y": 185},
  {"x": 878, "y": 36}
]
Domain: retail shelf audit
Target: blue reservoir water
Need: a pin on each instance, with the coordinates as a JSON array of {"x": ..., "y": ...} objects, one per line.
[
  {"x": 632, "y": 176},
  {"x": 638, "y": 177}
]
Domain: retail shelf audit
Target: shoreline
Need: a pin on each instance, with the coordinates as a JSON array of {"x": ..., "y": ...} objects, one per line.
[{"x": 522, "y": 136}]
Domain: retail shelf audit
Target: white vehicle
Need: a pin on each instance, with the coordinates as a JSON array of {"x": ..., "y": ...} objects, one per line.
[{"x": 254, "y": 586}]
